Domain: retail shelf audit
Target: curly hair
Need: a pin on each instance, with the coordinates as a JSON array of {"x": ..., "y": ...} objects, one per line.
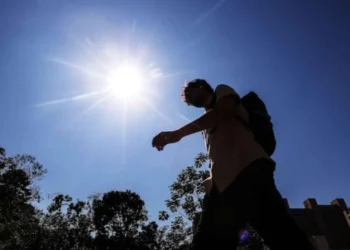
[{"x": 196, "y": 83}]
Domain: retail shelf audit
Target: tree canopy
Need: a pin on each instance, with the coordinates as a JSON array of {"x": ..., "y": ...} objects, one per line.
[{"x": 112, "y": 220}]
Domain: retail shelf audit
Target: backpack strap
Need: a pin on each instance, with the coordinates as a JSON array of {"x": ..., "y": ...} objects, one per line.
[
  {"x": 212, "y": 104},
  {"x": 245, "y": 124}
]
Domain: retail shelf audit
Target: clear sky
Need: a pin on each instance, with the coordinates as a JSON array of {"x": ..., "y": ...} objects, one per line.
[{"x": 295, "y": 54}]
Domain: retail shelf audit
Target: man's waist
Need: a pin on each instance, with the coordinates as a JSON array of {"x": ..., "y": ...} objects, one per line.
[{"x": 223, "y": 177}]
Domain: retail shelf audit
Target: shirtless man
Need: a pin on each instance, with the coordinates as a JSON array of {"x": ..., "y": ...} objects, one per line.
[{"x": 241, "y": 186}]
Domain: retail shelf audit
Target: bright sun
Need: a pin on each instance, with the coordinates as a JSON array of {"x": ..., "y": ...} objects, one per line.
[
  {"x": 115, "y": 77},
  {"x": 125, "y": 81}
]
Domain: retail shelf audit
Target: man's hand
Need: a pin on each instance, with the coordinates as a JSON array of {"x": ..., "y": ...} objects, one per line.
[{"x": 164, "y": 138}]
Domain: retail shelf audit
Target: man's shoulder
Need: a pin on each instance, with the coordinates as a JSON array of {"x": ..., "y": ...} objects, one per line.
[
  {"x": 223, "y": 86},
  {"x": 223, "y": 90}
]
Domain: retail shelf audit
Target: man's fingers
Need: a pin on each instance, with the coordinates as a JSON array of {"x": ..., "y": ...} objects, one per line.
[
  {"x": 155, "y": 140},
  {"x": 158, "y": 141}
]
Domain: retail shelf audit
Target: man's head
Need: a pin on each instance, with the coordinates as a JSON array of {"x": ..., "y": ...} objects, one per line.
[{"x": 197, "y": 93}]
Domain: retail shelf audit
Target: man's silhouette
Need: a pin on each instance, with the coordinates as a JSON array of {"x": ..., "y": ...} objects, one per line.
[{"x": 241, "y": 187}]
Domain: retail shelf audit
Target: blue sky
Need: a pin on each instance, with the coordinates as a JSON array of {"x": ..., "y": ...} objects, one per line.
[{"x": 295, "y": 54}]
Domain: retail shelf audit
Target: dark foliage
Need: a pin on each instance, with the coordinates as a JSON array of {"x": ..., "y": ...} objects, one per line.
[{"x": 113, "y": 220}]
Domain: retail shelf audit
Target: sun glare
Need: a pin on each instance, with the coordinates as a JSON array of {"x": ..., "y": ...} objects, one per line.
[
  {"x": 125, "y": 81},
  {"x": 115, "y": 79}
]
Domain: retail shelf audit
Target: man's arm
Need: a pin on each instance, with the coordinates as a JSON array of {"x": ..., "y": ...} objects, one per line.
[
  {"x": 223, "y": 110},
  {"x": 208, "y": 185}
]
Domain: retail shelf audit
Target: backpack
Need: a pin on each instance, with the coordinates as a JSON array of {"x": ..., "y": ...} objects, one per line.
[{"x": 259, "y": 122}]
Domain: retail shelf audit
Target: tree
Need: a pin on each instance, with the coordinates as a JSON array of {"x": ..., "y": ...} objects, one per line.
[
  {"x": 149, "y": 237},
  {"x": 178, "y": 235},
  {"x": 120, "y": 221},
  {"x": 113, "y": 220},
  {"x": 18, "y": 221},
  {"x": 66, "y": 225},
  {"x": 186, "y": 200}
]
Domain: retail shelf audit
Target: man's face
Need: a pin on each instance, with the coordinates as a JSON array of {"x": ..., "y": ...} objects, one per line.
[{"x": 197, "y": 97}]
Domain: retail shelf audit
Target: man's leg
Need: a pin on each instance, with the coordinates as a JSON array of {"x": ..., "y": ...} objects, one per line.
[
  {"x": 210, "y": 234},
  {"x": 273, "y": 221},
  {"x": 257, "y": 200}
]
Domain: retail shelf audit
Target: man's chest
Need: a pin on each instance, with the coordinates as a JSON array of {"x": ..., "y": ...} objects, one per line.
[{"x": 219, "y": 134}]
